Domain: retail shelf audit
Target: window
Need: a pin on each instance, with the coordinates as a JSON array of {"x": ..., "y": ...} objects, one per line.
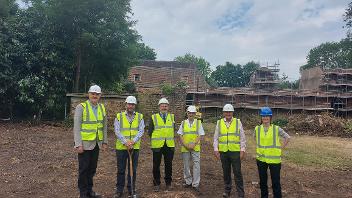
[{"x": 136, "y": 77}]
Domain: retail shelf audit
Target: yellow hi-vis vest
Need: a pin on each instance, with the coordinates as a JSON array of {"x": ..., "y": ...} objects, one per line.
[
  {"x": 92, "y": 126},
  {"x": 128, "y": 130},
  {"x": 268, "y": 145},
  {"x": 163, "y": 132},
  {"x": 190, "y": 134},
  {"x": 229, "y": 137}
]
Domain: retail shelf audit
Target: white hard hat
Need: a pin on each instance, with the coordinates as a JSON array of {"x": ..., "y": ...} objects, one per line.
[
  {"x": 94, "y": 89},
  {"x": 192, "y": 109},
  {"x": 131, "y": 100},
  {"x": 163, "y": 101},
  {"x": 228, "y": 107}
]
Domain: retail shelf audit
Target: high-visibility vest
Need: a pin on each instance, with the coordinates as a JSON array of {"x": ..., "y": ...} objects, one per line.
[
  {"x": 268, "y": 144},
  {"x": 163, "y": 132},
  {"x": 92, "y": 126},
  {"x": 190, "y": 134},
  {"x": 128, "y": 130},
  {"x": 229, "y": 137}
]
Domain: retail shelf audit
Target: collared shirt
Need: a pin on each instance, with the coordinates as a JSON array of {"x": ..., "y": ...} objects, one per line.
[
  {"x": 190, "y": 124},
  {"x": 228, "y": 123},
  {"x": 130, "y": 119}
]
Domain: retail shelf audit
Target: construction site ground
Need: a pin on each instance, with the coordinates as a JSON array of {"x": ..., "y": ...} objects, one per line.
[{"x": 39, "y": 161}]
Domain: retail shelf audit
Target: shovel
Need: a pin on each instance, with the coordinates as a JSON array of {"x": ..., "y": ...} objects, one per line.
[{"x": 130, "y": 152}]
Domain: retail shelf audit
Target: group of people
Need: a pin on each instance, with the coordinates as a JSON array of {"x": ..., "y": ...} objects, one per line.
[{"x": 90, "y": 135}]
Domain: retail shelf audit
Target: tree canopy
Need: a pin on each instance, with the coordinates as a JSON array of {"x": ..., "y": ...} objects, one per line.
[{"x": 53, "y": 47}]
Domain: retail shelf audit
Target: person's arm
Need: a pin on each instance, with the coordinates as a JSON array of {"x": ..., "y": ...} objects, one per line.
[
  {"x": 77, "y": 122},
  {"x": 105, "y": 130},
  {"x": 216, "y": 141},
  {"x": 150, "y": 127},
  {"x": 242, "y": 141},
  {"x": 180, "y": 133},
  {"x": 242, "y": 137},
  {"x": 118, "y": 134},
  {"x": 216, "y": 137},
  {"x": 286, "y": 137},
  {"x": 140, "y": 131}
]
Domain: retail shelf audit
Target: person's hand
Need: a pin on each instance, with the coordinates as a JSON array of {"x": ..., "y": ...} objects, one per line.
[
  {"x": 130, "y": 144},
  {"x": 242, "y": 154},
  {"x": 217, "y": 155},
  {"x": 191, "y": 146},
  {"x": 79, "y": 149},
  {"x": 104, "y": 147}
]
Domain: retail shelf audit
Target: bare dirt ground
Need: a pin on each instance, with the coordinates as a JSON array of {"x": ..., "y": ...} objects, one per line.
[{"x": 38, "y": 161}]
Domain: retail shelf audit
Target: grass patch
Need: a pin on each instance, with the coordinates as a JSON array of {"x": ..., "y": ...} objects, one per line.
[{"x": 327, "y": 152}]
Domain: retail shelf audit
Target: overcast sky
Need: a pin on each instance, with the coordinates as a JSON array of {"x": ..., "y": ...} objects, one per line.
[{"x": 240, "y": 30}]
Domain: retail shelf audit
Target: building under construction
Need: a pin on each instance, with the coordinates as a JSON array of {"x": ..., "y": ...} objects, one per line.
[
  {"x": 328, "y": 90},
  {"x": 265, "y": 78}
]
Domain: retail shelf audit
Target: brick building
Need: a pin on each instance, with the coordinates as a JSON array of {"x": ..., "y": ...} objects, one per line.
[{"x": 151, "y": 74}]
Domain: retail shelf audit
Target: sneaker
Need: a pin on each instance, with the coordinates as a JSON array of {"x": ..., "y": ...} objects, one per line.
[
  {"x": 157, "y": 188},
  {"x": 94, "y": 195},
  {"x": 226, "y": 194},
  {"x": 130, "y": 195},
  {"x": 185, "y": 185}
]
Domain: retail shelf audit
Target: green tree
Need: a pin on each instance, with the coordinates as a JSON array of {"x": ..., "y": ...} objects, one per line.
[
  {"x": 330, "y": 55},
  {"x": 202, "y": 64},
  {"x": 144, "y": 52},
  {"x": 230, "y": 75}
]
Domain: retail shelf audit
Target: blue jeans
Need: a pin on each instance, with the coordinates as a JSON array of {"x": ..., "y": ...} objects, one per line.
[{"x": 122, "y": 161}]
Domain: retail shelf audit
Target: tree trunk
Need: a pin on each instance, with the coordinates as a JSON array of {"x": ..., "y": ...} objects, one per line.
[{"x": 78, "y": 68}]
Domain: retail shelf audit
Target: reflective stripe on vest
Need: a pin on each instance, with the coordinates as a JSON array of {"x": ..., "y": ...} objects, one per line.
[
  {"x": 92, "y": 125},
  {"x": 128, "y": 130},
  {"x": 190, "y": 134},
  {"x": 163, "y": 132},
  {"x": 229, "y": 137},
  {"x": 268, "y": 145}
]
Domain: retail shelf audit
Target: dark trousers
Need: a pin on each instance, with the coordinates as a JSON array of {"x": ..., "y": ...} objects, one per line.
[
  {"x": 122, "y": 160},
  {"x": 232, "y": 159},
  {"x": 87, "y": 161},
  {"x": 275, "y": 178},
  {"x": 168, "y": 154}
]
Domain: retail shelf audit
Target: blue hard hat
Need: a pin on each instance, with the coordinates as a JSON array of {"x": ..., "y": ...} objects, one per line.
[{"x": 266, "y": 111}]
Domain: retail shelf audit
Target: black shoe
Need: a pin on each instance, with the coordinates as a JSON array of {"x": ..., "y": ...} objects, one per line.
[
  {"x": 197, "y": 190},
  {"x": 226, "y": 194},
  {"x": 157, "y": 188},
  {"x": 185, "y": 185},
  {"x": 94, "y": 195},
  {"x": 118, "y": 195}
]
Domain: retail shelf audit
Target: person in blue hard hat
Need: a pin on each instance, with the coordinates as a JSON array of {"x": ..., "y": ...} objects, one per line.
[{"x": 268, "y": 148}]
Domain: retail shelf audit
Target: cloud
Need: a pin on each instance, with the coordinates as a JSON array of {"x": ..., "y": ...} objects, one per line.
[{"x": 240, "y": 31}]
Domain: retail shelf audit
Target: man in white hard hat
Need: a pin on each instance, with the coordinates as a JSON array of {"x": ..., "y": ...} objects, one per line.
[
  {"x": 90, "y": 135},
  {"x": 191, "y": 132},
  {"x": 161, "y": 131},
  {"x": 229, "y": 147},
  {"x": 129, "y": 128}
]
